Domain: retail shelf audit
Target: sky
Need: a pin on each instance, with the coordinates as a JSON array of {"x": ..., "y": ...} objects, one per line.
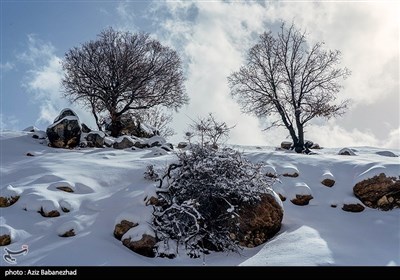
[{"x": 212, "y": 38}]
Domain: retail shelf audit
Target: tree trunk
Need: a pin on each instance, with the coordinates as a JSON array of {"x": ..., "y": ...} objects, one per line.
[
  {"x": 299, "y": 146},
  {"x": 116, "y": 125}
]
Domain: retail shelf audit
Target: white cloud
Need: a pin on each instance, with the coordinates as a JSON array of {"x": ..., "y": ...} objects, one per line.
[
  {"x": 43, "y": 80},
  {"x": 214, "y": 40},
  {"x": 7, "y": 66},
  {"x": 8, "y": 122}
]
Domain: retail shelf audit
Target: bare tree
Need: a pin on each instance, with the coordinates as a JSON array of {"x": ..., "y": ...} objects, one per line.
[
  {"x": 287, "y": 77},
  {"x": 155, "y": 117},
  {"x": 210, "y": 131},
  {"x": 120, "y": 72}
]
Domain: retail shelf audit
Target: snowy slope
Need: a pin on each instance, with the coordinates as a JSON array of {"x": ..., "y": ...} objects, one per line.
[{"x": 108, "y": 186}]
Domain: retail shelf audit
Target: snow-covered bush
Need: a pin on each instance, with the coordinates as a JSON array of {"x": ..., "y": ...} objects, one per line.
[
  {"x": 150, "y": 173},
  {"x": 200, "y": 198}
]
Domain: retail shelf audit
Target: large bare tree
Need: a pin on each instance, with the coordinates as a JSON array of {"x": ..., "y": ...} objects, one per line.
[
  {"x": 286, "y": 77},
  {"x": 121, "y": 72}
]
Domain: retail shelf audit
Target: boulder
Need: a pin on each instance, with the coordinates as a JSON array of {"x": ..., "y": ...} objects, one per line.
[
  {"x": 259, "y": 222},
  {"x": 346, "y": 152},
  {"x": 308, "y": 144},
  {"x": 380, "y": 192},
  {"x": 5, "y": 240},
  {"x": 65, "y": 132},
  {"x": 301, "y": 199},
  {"x": 121, "y": 228},
  {"x": 85, "y": 128},
  {"x": 286, "y": 145},
  {"x": 50, "y": 214},
  {"x": 328, "y": 182},
  {"x": 8, "y": 201},
  {"x": 353, "y": 207},
  {"x": 123, "y": 143},
  {"x": 68, "y": 233},
  {"x": 315, "y": 146},
  {"x": 182, "y": 145},
  {"x": 95, "y": 139},
  {"x": 144, "y": 246}
]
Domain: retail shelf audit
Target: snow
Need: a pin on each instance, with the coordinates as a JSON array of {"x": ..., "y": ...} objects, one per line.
[{"x": 109, "y": 186}]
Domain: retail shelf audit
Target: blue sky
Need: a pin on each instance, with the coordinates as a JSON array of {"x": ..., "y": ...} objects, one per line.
[{"x": 212, "y": 38}]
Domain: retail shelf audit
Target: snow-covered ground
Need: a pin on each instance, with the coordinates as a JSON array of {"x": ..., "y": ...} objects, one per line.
[{"x": 108, "y": 185}]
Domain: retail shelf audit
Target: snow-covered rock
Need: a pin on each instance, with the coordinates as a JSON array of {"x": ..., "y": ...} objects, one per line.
[
  {"x": 95, "y": 139},
  {"x": 286, "y": 145},
  {"x": 66, "y": 131},
  {"x": 346, "y": 152},
  {"x": 386, "y": 154},
  {"x": 123, "y": 142}
]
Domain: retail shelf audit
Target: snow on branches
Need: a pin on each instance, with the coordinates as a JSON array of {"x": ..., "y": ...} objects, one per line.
[{"x": 200, "y": 198}]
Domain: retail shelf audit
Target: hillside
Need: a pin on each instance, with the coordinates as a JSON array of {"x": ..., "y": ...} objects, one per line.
[{"x": 108, "y": 184}]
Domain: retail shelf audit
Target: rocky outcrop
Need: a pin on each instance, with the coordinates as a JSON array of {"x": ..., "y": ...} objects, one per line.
[
  {"x": 353, "y": 207},
  {"x": 259, "y": 222},
  {"x": 95, "y": 139},
  {"x": 65, "y": 132},
  {"x": 380, "y": 192},
  {"x": 145, "y": 246},
  {"x": 122, "y": 227}
]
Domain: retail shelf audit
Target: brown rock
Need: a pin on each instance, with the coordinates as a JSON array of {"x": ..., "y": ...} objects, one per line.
[
  {"x": 301, "y": 199},
  {"x": 121, "y": 228},
  {"x": 353, "y": 208},
  {"x": 51, "y": 214},
  {"x": 153, "y": 201},
  {"x": 8, "y": 201},
  {"x": 380, "y": 192},
  {"x": 65, "y": 189},
  {"x": 286, "y": 145},
  {"x": 328, "y": 182},
  {"x": 144, "y": 246},
  {"x": 69, "y": 233},
  {"x": 282, "y": 197},
  {"x": 5, "y": 240},
  {"x": 271, "y": 175},
  {"x": 264, "y": 219},
  {"x": 293, "y": 175}
]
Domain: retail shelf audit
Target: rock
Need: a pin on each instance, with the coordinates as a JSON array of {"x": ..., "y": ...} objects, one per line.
[
  {"x": 386, "y": 154},
  {"x": 301, "y": 199},
  {"x": 31, "y": 129},
  {"x": 121, "y": 228},
  {"x": 8, "y": 201},
  {"x": 328, "y": 182},
  {"x": 141, "y": 145},
  {"x": 85, "y": 128},
  {"x": 286, "y": 145},
  {"x": 282, "y": 197},
  {"x": 5, "y": 240},
  {"x": 39, "y": 134},
  {"x": 353, "y": 208},
  {"x": 315, "y": 146},
  {"x": 293, "y": 175},
  {"x": 182, "y": 145},
  {"x": 65, "y": 132},
  {"x": 96, "y": 139},
  {"x": 168, "y": 147},
  {"x": 30, "y": 155},
  {"x": 153, "y": 201},
  {"x": 258, "y": 223},
  {"x": 308, "y": 144},
  {"x": 346, "y": 152},
  {"x": 65, "y": 189},
  {"x": 123, "y": 143},
  {"x": 145, "y": 246},
  {"x": 51, "y": 214},
  {"x": 69, "y": 233},
  {"x": 380, "y": 192}
]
